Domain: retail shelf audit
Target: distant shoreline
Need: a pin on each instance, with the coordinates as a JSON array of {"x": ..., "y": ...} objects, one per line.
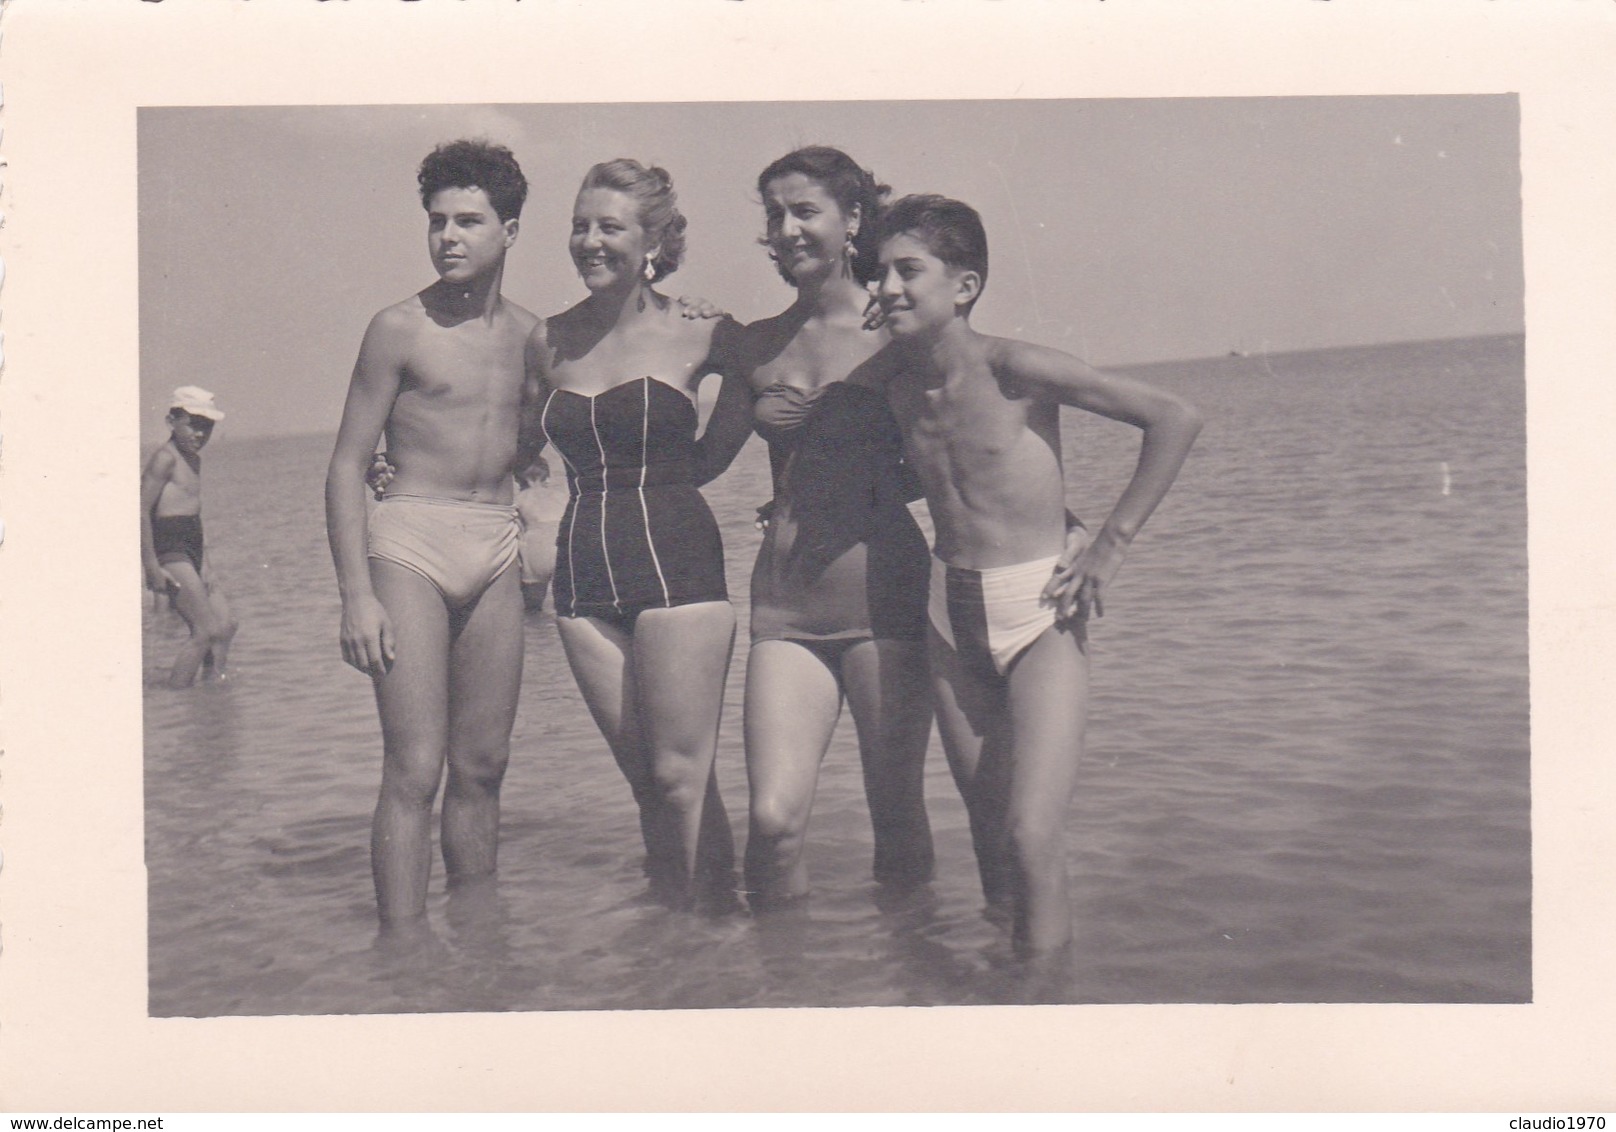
[{"x": 1252, "y": 355}]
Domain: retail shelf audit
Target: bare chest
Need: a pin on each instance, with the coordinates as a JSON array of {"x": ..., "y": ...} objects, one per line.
[
  {"x": 673, "y": 359},
  {"x": 479, "y": 364},
  {"x": 185, "y": 481},
  {"x": 960, "y": 422},
  {"x": 813, "y": 358},
  {"x": 813, "y": 366}
]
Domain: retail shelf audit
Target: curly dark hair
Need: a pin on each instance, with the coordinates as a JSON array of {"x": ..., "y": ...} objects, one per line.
[
  {"x": 475, "y": 164},
  {"x": 952, "y": 230},
  {"x": 659, "y": 213},
  {"x": 849, "y": 184}
]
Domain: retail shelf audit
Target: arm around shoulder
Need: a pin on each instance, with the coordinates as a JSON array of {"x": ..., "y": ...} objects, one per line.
[
  {"x": 530, "y": 438},
  {"x": 730, "y": 424}
]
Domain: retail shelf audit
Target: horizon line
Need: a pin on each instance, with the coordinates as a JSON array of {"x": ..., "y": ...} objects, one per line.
[{"x": 1230, "y": 356}]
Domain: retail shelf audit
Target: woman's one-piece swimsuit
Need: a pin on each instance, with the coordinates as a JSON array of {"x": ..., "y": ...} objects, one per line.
[
  {"x": 842, "y": 558},
  {"x": 636, "y": 533}
]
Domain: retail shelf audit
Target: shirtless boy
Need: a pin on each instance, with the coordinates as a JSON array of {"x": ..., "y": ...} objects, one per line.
[
  {"x": 171, "y": 544},
  {"x": 431, "y": 601},
  {"x": 541, "y": 502},
  {"x": 980, "y": 418}
]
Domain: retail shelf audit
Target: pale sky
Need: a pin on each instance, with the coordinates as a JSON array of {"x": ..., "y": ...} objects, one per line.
[{"x": 1122, "y": 230}]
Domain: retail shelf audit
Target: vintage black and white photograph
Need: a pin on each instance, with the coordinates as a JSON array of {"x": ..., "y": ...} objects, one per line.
[
  {"x": 863, "y": 555},
  {"x": 872, "y": 553}
]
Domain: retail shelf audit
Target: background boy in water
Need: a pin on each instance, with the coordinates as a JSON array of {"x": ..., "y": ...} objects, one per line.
[
  {"x": 981, "y": 423},
  {"x": 172, "y": 548},
  {"x": 431, "y": 606},
  {"x": 541, "y": 502}
]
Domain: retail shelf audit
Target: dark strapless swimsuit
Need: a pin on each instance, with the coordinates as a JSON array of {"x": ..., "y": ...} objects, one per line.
[
  {"x": 636, "y": 533},
  {"x": 842, "y": 559}
]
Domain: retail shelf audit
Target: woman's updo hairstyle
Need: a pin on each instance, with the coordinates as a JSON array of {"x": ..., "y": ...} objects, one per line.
[
  {"x": 659, "y": 211},
  {"x": 849, "y": 184}
]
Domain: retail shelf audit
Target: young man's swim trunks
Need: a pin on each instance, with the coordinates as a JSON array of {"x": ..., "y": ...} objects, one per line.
[
  {"x": 842, "y": 558},
  {"x": 989, "y": 617},
  {"x": 178, "y": 538},
  {"x": 637, "y": 533},
  {"x": 457, "y": 545}
]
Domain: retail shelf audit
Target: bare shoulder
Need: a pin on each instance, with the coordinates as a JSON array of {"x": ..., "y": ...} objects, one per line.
[
  {"x": 767, "y": 329},
  {"x": 523, "y": 320},
  {"x": 753, "y": 345},
  {"x": 720, "y": 329},
  {"x": 709, "y": 344},
  {"x": 400, "y": 315},
  {"x": 162, "y": 461},
  {"x": 726, "y": 338},
  {"x": 567, "y": 317},
  {"x": 395, "y": 324},
  {"x": 536, "y": 349},
  {"x": 557, "y": 330},
  {"x": 1012, "y": 357},
  {"x": 538, "y": 331},
  {"x": 1026, "y": 369}
]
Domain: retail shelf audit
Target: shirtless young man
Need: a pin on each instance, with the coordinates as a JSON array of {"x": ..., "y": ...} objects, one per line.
[
  {"x": 431, "y": 601},
  {"x": 981, "y": 424},
  {"x": 171, "y": 545}
]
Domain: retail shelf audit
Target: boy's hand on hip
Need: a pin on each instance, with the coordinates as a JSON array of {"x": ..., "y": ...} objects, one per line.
[
  {"x": 1079, "y": 591},
  {"x": 1062, "y": 587}
]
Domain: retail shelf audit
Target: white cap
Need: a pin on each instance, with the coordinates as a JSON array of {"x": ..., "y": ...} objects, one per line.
[{"x": 197, "y": 401}]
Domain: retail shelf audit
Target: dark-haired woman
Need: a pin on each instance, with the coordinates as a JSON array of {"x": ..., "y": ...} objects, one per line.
[
  {"x": 839, "y": 589},
  {"x": 638, "y": 588}
]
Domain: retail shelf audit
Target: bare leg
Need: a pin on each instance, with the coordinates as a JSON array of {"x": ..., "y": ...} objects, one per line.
[
  {"x": 412, "y": 699},
  {"x": 599, "y": 654},
  {"x": 792, "y": 704},
  {"x": 1048, "y": 695},
  {"x": 973, "y": 719},
  {"x": 191, "y": 599},
  {"x": 888, "y": 692},
  {"x": 225, "y": 621},
  {"x": 538, "y": 561},
  {"x": 485, "y": 675},
  {"x": 715, "y": 851},
  {"x": 681, "y": 659}
]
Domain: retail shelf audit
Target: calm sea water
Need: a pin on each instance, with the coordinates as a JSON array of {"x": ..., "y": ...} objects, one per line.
[{"x": 1307, "y": 774}]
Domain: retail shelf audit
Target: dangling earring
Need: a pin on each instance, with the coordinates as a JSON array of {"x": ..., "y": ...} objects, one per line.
[
  {"x": 648, "y": 272},
  {"x": 850, "y": 249}
]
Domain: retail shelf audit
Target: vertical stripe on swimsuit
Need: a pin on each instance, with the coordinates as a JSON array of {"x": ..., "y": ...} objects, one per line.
[
  {"x": 605, "y": 507},
  {"x": 661, "y": 550},
  {"x": 645, "y": 512}
]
